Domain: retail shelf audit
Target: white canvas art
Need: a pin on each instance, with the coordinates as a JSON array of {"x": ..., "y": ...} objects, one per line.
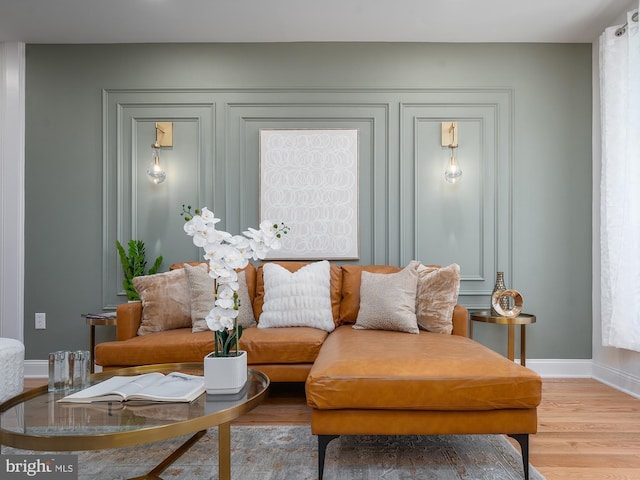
[{"x": 309, "y": 181}]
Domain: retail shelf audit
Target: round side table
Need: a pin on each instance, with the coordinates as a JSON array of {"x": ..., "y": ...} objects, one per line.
[
  {"x": 523, "y": 320},
  {"x": 97, "y": 320}
]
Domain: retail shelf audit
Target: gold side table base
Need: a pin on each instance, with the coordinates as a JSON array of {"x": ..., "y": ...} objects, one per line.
[
  {"x": 523, "y": 320},
  {"x": 93, "y": 321}
]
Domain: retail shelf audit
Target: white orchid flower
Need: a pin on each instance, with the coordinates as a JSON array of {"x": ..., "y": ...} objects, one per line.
[
  {"x": 220, "y": 271},
  {"x": 208, "y": 216},
  {"x": 225, "y": 299},
  {"x": 203, "y": 237},
  {"x": 216, "y": 251},
  {"x": 228, "y": 322},
  {"x": 194, "y": 225},
  {"x": 220, "y": 319},
  {"x": 267, "y": 228},
  {"x": 239, "y": 242},
  {"x": 233, "y": 258},
  {"x": 260, "y": 250},
  {"x": 213, "y": 321},
  {"x": 254, "y": 234},
  {"x": 219, "y": 236},
  {"x": 231, "y": 279}
]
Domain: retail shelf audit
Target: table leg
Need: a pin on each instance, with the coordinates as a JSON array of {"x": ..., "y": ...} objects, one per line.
[
  {"x": 93, "y": 346},
  {"x": 511, "y": 346},
  {"x": 471, "y": 329},
  {"x": 523, "y": 346},
  {"x": 224, "y": 451}
]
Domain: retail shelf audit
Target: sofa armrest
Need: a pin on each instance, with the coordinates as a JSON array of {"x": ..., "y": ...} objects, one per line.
[
  {"x": 460, "y": 321},
  {"x": 129, "y": 317}
]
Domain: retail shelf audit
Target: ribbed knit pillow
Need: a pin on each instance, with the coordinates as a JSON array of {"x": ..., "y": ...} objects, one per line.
[{"x": 298, "y": 299}]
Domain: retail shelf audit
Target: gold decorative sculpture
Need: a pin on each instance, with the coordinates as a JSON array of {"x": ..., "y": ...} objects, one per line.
[{"x": 498, "y": 306}]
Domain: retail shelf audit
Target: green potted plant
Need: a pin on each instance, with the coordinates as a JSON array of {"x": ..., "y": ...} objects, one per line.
[{"x": 133, "y": 265}]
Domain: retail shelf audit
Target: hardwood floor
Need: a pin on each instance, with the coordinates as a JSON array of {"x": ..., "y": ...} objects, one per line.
[{"x": 587, "y": 430}]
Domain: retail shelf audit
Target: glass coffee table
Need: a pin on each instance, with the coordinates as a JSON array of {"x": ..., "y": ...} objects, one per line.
[{"x": 34, "y": 420}]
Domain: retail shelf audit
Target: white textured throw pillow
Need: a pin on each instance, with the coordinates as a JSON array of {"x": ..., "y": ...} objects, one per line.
[
  {"x": 388, "y": 300},
  {"x": 298, "y": 299}
]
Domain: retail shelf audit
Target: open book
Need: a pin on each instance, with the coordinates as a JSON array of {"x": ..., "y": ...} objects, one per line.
[{"x": 150, "y": 387}]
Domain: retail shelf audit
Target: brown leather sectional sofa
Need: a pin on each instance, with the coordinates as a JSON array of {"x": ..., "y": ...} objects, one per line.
[{"x": 362, "y": 382}]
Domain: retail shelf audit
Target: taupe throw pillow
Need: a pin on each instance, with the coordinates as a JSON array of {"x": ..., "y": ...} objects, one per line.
[
  {"x": 201, "y": 286},
  {"x": 436, "y": 297},
  {"x": 388, "y": 300},
  {"x": 166, "y": 302}
]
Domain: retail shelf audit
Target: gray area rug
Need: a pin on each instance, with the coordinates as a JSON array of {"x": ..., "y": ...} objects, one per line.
[{"x": 290, "y": 453}]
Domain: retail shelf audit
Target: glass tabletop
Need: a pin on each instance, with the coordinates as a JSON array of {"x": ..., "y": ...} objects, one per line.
[{"x": 35, "y": 420}]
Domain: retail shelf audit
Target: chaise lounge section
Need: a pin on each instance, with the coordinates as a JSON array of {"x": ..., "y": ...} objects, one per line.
[{"x": 367, "y": 382}]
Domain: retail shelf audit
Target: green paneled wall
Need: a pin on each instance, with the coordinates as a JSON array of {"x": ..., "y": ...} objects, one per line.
[{"x": 523, "y": 206}]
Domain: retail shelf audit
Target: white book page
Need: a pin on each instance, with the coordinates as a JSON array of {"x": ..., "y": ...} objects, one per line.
[
  {"x": 113, "y": 388},
  {"x": 175, "y": 387}
]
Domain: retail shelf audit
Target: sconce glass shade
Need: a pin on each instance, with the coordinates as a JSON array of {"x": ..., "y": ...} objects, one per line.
[
  {"x": 156, "y": 173},
  {"x": 453, "y": 173}
]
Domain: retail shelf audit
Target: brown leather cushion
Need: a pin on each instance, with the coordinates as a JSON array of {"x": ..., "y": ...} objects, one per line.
[
  {"x": 351, "y": 275},
  {"x": 373, "y": 369},
  {"x": 180, "y": 345},
  {"x": 336, "y": 287},
  {"x": 273, "y": 345},
  {"x": 282, "y": 345}
]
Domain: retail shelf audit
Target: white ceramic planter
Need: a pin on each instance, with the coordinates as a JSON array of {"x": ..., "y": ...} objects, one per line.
[{"x": 224, "y": 375}]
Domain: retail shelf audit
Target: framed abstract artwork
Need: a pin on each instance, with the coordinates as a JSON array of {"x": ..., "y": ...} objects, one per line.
[{"x": 309, "y": 181}]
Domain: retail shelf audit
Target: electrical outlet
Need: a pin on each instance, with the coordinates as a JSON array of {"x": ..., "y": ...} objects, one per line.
[{"x": 41, "y": 321}]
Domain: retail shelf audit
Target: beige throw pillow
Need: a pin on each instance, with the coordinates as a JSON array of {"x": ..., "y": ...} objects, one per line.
[
  {"x": 436, "y": 297},
  {"x": 201, "y": 286},
  {"x": 388, "y": 300},
  {"x": 166, "y": 302}
]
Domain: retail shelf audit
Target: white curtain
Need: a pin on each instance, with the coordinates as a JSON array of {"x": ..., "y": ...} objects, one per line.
[{"x": 620, "y": 185}]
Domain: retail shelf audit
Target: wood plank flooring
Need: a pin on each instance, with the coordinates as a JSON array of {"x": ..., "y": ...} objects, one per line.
[{"x": 587, "y": 430}]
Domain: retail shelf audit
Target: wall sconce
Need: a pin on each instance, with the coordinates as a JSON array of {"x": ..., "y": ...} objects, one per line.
[
  {"x": 164, "y": 138},
  {"x": 453, "y": 173}
]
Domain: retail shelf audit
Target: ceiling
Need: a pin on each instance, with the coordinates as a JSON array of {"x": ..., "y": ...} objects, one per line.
[{"x": 149, "y": 21}]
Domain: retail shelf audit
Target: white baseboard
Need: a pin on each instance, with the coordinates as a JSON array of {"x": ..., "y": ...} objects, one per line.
[
  {"x": 561, "y": 368},
  {"x": 622, "y": 381},
  {"x": 40, "y": 369},
  {"x": 36, "y": 368}
]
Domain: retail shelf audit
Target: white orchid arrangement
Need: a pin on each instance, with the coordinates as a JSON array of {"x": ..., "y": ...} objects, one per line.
[{"x": 226, "y": 254}]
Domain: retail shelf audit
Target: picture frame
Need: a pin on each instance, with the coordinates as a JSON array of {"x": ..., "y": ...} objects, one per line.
[{"x": 309, "y": 181}]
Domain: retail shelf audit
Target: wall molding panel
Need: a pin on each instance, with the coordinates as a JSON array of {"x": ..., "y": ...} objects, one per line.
[
  {"x": 12, "y": 189},
  {"x": 133, "y": 207},
  {"x": 468, "y": 223},
  {"x": 215, "y": 162}
]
